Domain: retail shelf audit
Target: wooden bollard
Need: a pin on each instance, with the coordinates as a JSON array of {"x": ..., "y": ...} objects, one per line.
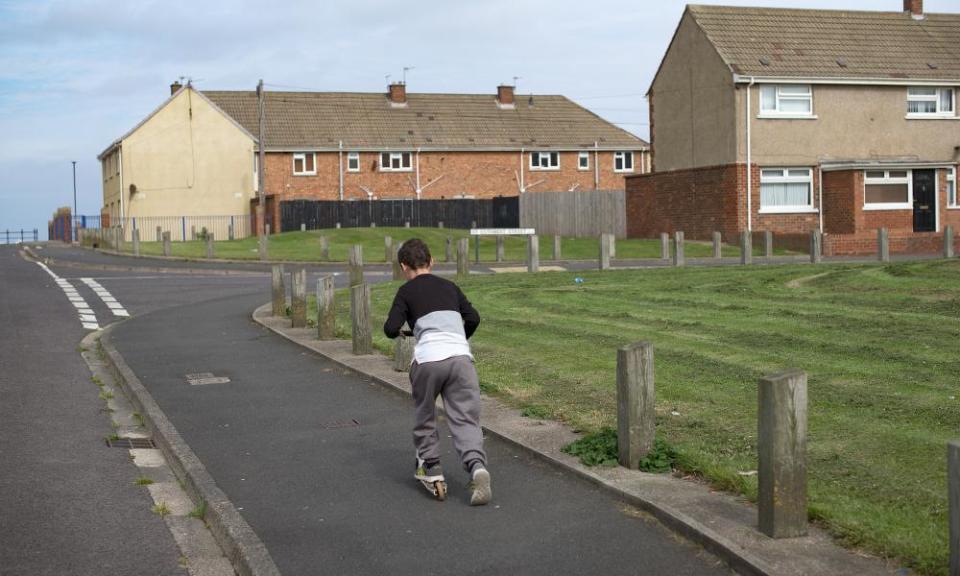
[
  {"x": 463, "y": 260},
  {"x": 635, "y": 403},
  {"x": 449, "y": 253},
  {"x": 499, "y": 248},
  {"x": 326, "y": 311},
  {"x": 604, "y": 252},
  {"x": 768, "y": 244},
  {"x": 166, "y": 243},
  {"x": 210, "y": 249},
  {"x": 679, "y": 259},
  {"x": 883, "y": 245},
  {"x": 406, "y": 224},
  {"x": 193, "y": 233},
  {"x": 159, "y": 234},
  {"x": 557, "y": 254},
  {"x": 387, "y": 249},
  {"x": 440, "y": 224},
  {"x": 782, "y": 454},
  {"x": 953, "y": 508},
  {"x": 278, "y": 291},
  {"x": 337, "y": 226},
  {"x": 948, "y": 242},
  {"x": 324, "y": 249},
  {"x": 395, "y": 263},
  {"x": 746, "y": 248},
  {"x": 717, "y": 245},
  {"x": 533, "y": 253},
  {"x": 136, "y": 242},
  {"x": 263, "y": 243},
  {"x": 118, "y": 239},
  {"x": 298, "y": 298},
  {"x": 231, "y": 235},
  {"x": 360, "y": 319},
  {"x": 373, "y": 224},
  {"x": 664, "y": 246},
  {"x": 476, "y": 250},
  {"x": 816, "y": 247},
  {"x": 303, "y": 227},
  {"x": 403, "y": 352},
  {"x": 355, "y": 265},
  {"x": 612, "y": 239}
]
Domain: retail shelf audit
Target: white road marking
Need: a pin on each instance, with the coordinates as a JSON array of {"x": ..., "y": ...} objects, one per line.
[
  {"x": 108, "y": 299},
  {"x": 87, "y": 318}
]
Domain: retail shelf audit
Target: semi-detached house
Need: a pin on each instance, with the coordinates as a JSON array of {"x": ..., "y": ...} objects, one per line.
[{"x": 799, "y": 120}]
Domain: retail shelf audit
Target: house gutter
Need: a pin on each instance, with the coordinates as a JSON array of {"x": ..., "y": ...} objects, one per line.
[
  {"x": 740, "y": 79},
  {"x": 749, "y": 162}
]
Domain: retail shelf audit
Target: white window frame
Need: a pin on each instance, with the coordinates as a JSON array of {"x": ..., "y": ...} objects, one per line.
[
  {"x": 353, "y": 157},
  {"x": 785, "y": 177},
  {"x": 887, "y": 179},
  {"x": 540, "y": 156},
  {"x": 779, "y": 98},
  {"x": 953, "y": 201},
  {"x": 303, "y": 156},
  {"x": 622, "y": 157},
  {"x": 935, "y": 98},
  {"x": 399, "y": 157},
  {"x": 581, "y": 157}
]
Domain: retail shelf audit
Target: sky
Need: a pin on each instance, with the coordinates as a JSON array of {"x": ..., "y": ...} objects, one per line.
[{"x": 75, "y": 75}]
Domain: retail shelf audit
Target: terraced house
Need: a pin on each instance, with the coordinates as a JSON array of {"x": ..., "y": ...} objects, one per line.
[
  {"x": 359, "y": 146},
  {"x": 800, "y": 120}
]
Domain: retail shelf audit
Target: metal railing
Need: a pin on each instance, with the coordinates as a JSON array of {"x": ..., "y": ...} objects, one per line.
[
  {"x": 181, "y": 228},
  {"x": 18, "y": 236}
]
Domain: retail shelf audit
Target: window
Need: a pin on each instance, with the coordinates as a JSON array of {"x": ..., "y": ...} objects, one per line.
[
  {"x": 304, "y": 164},
  {"x": 583, "y": 161},
  {"x": 544, "y": 160},
  {"x": 353, "y": 162},
  {"x": 786, "y": 190},
  {"x": 930, "y": 101},
  {"x": 952, "y": 199},
  {"x": 886, "y": 189},
  {"x": 395, "y": 162},
  {"x": 623, "y": 161},
  {"x": 786, "y": 100}
]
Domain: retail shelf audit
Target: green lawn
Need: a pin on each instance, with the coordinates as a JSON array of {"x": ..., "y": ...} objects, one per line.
[
  {"x": 305, "y": 246},
  {"x": 880, "y": 344}
]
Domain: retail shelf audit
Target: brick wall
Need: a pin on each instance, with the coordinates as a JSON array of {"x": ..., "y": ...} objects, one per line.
[
  {"x": 842, "y": 208},
  {"x": 865, "y": 243}
]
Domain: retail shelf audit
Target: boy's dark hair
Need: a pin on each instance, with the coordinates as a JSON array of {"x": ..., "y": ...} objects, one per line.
[{"x": 414, "y": 253}]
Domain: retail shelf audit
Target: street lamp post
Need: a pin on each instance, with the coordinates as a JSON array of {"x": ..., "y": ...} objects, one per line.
[{"x": 73, "y": 224}]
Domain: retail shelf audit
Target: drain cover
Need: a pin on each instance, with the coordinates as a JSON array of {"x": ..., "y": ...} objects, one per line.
[
  {"x": 131, "y": 443},
  {"x": 202, "y": 378},
  {"x": 337, "y": 424}
]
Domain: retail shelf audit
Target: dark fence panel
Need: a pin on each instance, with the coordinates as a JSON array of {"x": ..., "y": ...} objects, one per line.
[{"x": 459, "y": 213}]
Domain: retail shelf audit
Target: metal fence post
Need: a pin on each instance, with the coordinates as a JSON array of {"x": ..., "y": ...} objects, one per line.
[
  {"x": 635, "y": 403},
  {"x": 746, "y": 248},
  {"x": 298, "y": 299},
  {"x": 278, "y": 291},
  {"x": 326, "y": 311},
  {"x": 533, "y": 253},
  {"x": 782, "y": 454},
  {"x": 360, "y": 319}
]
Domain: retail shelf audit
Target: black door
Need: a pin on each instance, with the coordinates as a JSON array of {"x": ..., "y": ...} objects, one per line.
[{"x": 924, "y": 200}]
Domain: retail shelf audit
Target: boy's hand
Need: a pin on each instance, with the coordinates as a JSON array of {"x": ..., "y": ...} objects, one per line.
[{"x": 407, "y": 332}]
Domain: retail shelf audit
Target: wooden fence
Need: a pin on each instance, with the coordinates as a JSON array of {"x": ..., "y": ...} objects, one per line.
[{"x": 576, "y": 214}]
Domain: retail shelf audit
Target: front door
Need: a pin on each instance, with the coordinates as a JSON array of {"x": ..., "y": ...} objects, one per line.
[{"x": 924, "y": 200}]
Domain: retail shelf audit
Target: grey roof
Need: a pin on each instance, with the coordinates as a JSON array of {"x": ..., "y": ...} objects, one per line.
[
  {"x": 320, "y": 120},
  {"x": 774, "y": 42}
]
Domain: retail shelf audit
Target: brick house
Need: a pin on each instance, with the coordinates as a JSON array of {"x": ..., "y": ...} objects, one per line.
[{"x": 800, "y": 120}]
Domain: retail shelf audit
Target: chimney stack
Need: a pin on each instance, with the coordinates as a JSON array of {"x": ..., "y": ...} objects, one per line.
[
  {"x": 505, "y": 95},
  {"x": 175, "y": 87},
  {"x": 914, "y": 7},
  {"x": 398, "y": 93}
]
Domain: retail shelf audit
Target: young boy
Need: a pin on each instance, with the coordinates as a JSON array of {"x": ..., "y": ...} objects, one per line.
[{"x": 442, "y": 320}]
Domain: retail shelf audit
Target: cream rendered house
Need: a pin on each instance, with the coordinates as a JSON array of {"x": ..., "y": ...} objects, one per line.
[{"x": 186, "y": 167}]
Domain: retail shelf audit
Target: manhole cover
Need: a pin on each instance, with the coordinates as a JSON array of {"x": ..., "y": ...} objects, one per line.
[
  {"x": 131, "y": 443},
  {"x": 337, "y": 424},
  {"x": 203, "y": 378}
]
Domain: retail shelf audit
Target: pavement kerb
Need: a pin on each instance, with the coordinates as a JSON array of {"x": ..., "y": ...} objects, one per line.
[
  {"x": 244, "y": 549},
  {"x": 716, "y": 515}
]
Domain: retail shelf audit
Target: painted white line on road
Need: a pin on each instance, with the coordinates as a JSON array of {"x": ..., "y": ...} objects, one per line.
[
  {"x": 87, "y": 318},
  {"x": 108, "y": 299}
]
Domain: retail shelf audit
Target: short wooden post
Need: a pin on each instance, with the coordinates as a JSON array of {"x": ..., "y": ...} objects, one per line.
[
  {"x": 463, "y": 258},
  {"x": 298, "y": 299},
  {"x": 768, "y": 244},
  {"x": 210, "y": 248},
  {"x": 717, "y": 245},
  {"x": 118, "y": 235},
  {"x": 664, "y": 246},
  {"x": 557, "y": 254},
  {"x": 395, "y": 263},
  {"x": 337, "y": 225},
  {"x": 324, "y": 249},
  {"x": 136, "y": 242},
  {"x": 166, "y": 243},
  {"x": 360, "y": 318},
  {"x": 746, "y": 248},
  {"x": 604, "y": 252},
  {"x": 303, "y": 227},
  {"x": 476, "y": 250},
  {"x": 816, "y": 247},
  {"x": 953, "y": 509},
  {"x": 406, "y": 224},
  {"x": 373, "y": 224},
  {"x": 231, "y": 235},
  {"x": 440, "y": 224},
  {"x": 678, "y": 252},
  {"x": 278, "y": 291},
  {"x": 159, "y": 234},
  {"x": 263, "y": 243},
  {"x": 533, "y": 253},
  {"x": 499, "y": 248},
  {"x": 883, "y": 245},
  {"x": 387, "y": 249},
  {"x": 612, "y": 240},
  {"x": 635, "y": 403},
  {"x": 948, "y": 242},
  {"x": 326, "y": 311},
  {"x": 782, "y": 454},
  {"x": 355, "y": 265},
  {"x": 449, "y": 253},
  {"x": 193, "y": 233},
  {"x": 403, "y": 352}
]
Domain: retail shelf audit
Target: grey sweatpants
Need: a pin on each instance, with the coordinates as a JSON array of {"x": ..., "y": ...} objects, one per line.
[{"x": 454, "y": 379}]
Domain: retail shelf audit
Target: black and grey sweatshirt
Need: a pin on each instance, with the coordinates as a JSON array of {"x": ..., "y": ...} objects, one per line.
[{"x": 441, "y": 316}]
